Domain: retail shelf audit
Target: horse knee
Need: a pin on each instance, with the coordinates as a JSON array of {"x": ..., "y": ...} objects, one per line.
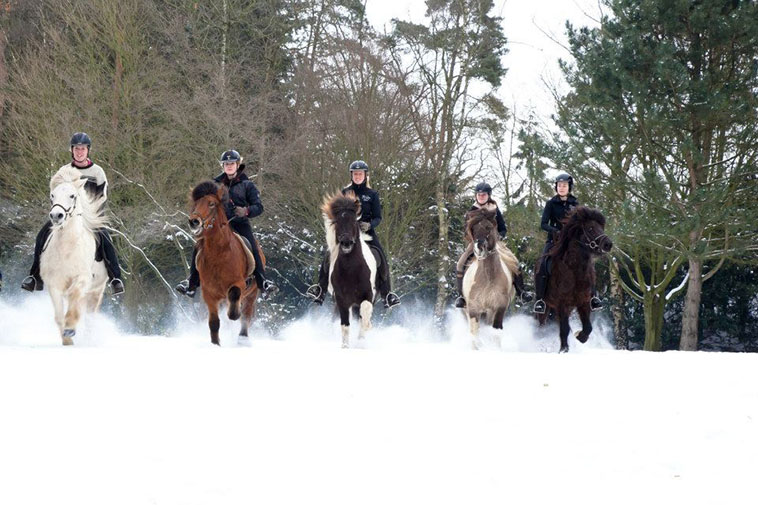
[{"x": 234, "y": 294}]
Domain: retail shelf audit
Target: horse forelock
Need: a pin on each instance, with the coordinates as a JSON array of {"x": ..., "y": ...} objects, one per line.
[
  {"x": 338, "y": 203},
  {"x": 204, "y": 189},
  {"x": 475, "y": 217}
]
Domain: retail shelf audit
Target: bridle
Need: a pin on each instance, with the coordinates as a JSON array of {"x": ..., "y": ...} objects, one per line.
[
  {"x": 68, "y": 211},
  {"x": 593, "y": 243},
  {"x": 206, "y": 223}
]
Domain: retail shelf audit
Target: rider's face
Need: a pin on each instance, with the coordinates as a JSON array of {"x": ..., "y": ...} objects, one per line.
[
  {"x": 358, "y": 176},
  {"x": 482, "y": 197},
  {"x": 562, "y": 188},
  {"x": 80, "y": 152},
  {"x": 230, "y": 168}
]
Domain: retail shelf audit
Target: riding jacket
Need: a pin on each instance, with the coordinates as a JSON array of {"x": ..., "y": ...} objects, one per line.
[
  {"x": 371, "y": 207},
  {"x": 97, "y": 184},
  {"x": 555, "y": 211},
  {"x": 242, "y": 193}
]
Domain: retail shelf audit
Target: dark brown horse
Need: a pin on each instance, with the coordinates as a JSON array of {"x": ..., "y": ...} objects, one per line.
[
  {"x": 572, "y": 273},
  {"x": 223, "y": 262},
  {"x": 352, "y": 268}
]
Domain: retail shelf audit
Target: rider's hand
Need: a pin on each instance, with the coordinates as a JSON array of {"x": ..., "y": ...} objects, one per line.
[
  {"x": 365, "y": 226},
  {"x": 240, "y": 211}
]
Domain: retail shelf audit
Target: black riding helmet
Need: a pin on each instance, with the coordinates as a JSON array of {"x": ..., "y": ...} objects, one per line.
[
  {"x": 81, "y": 139},
  {"x": 564, "y": 178},
  {"x": 483, "y": 187},
  {"x": 359, "y": 165},
  {"x": 230, "y": 156}
]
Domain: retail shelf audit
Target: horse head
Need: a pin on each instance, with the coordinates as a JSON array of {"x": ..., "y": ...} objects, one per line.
[
  {"x": 207, "y": 207},
  {"x": 586, "y": 226},
  {"x": 342, "y": 214},
  {"x": 481, "y": 229},
  {"x": 64, "y": 199}
]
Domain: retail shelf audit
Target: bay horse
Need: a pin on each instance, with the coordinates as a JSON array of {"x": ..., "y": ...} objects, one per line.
[
  {"x": 223, "y": 261},
  {"x": 488, "y": 281},
  {"x": 581, "y": 241},
  {"x": 74, "y": 279},
  {"x": 352, "y": 266}
]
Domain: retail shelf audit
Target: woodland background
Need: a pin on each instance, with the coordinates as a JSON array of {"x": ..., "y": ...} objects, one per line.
[{"x": 658, "y": 127}]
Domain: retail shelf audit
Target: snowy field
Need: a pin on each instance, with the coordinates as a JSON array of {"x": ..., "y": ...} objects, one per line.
[{"x": 413, "y": 417}]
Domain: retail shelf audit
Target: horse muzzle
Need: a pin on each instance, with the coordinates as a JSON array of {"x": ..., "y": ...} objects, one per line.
[
  {"x": 346, "y": 245},
  {"x": 606, "y": 245},
  {"x": 57, "y": 217},
  {"x": 480, "y": 250},
  {"x": 196, "y": 226}
]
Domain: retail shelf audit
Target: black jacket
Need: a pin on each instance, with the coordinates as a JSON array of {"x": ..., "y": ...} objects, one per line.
[
  {"x": 371, "y": 207},
  {"x": 501, "y": 228},
  {"x": 242, "y": 193},
  {"x": 555, "y": 210}
]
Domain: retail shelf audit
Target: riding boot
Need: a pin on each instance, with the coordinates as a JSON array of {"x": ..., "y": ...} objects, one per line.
[
  {"x": 595, "y": 302},
  {"x": 189, "y": 286},
  {"x": 540, "y": 281},
  {"x": 318, "y": 291},
  {"x": 460, "y": 302},
  {"x": 34, "y": 281},
  {"x": 111, "y": 262},
  {"x": 518, "y": 283}
]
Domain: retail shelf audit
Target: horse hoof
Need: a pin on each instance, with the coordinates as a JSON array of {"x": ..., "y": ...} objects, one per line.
[
  {"x": 581, "y": 338},
  {"x": 243, "y": 340},
  {"x": 564, "y": 349},
  {"x": 68, "y": 341}
]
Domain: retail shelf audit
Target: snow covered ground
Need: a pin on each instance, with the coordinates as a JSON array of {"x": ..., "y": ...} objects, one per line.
[{"x": 412, "y": 417}]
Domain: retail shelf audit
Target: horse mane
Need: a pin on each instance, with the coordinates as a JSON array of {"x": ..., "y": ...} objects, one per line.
[
  {"x": 332, "y": 206},
  {"x": 204, "y": 189},
  {"x": 476, "y": 216},
  {"x": 91, "y": 206},
  {"x": 572, "y": 227}
]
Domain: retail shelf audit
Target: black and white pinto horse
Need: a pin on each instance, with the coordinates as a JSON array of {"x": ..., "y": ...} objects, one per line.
[
  {"x": 74, "y": 279},
  {"x": 352, "y": 265}
]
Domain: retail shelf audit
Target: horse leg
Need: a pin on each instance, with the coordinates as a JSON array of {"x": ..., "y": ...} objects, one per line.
[
  {"x": 367, "y": 308},
  {"x": 233, "y": 295},
  {"x": 73, "y": 313},
  {"x": 345, "y": 324},
  {"x": 584, "y": 314},
  {"x": 57, "y": 298},
  {"x": 473, "y": 321},
  {"x": 564, "y": 331},
  {"x": 213, "y": 322},
  {"x": 497, "y": 323},
  {"x": 248, "y": 310}
]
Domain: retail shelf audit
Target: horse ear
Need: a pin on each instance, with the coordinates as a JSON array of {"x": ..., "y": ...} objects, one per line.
[{"x": 221, "y": 193}]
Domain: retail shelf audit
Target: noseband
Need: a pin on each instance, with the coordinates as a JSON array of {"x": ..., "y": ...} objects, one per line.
[
  {"x": 206, "y": 223},
  {"x": 69, "y": 212},
  {"x": 593, "y": 244}
]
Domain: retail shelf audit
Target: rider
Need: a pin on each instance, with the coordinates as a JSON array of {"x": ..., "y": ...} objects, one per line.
[
  {"x": 244, "y": 203},
  {"x": 96, "y": 186},
  {"x": 371, "y": 216},
  {"x": 555, "y": 211},
  {"x": 484, "y": 200}
]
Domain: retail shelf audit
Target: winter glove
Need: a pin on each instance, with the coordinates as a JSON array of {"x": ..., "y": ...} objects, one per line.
[
  {"x": 365, "y": 226},
  {"x": 240, "y": 211}
]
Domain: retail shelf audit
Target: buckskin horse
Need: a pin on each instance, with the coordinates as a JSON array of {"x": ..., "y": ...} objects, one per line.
[
  {"x": 353, "y": 266},
  {"x": 68, "y": 267},
  {"x": 581, "y": 241},
  {"x": 488, "y": 281},
  {"x": 224, "y": 260}
]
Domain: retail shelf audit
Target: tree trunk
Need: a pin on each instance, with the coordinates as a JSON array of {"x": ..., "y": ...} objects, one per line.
[
  {"x": 443, "y": 259},
  {"x": 653, "y": 306},
  {"x": 617, "y": 311},
  {"x": 691, "y": 313}
]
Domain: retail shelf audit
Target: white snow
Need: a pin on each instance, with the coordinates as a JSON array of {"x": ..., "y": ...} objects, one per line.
[{"x": 412, "y": 417}]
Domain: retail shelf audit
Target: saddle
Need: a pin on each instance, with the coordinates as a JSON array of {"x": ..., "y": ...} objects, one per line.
[{"x": 249, "y": 252}]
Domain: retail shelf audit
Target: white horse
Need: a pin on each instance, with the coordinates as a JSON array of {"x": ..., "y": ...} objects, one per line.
[{"x": 67, "y": 264}]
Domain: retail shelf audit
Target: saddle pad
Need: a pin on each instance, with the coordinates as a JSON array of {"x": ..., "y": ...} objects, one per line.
[{"x": 250, "y": 257}]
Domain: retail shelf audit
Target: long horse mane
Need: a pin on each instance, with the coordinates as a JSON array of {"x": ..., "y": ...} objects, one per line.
[
  {"x": 91, "y": 206},
  {"x": 332, "y": 206},
  {"x": 572, "y": 227}
]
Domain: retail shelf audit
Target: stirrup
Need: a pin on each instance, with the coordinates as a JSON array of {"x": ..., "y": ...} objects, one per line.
[
  {"x": 32, "y": 283},
  {"x": 314, "y": 292},
  {"x": 391, "y": 300},
  {"x": 268, "y": 286},
  {"x": 539, "y": 307},
  {"x": 526, "y": 297},
  {"x": 460, "y": 303},
  {"x": 596, "y": 304},
  {"x": 117, "y": 286},
  {"x": 184, "y": 288}
]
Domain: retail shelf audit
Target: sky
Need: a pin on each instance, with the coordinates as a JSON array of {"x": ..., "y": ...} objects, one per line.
[{"x": 535, "y": 30}]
